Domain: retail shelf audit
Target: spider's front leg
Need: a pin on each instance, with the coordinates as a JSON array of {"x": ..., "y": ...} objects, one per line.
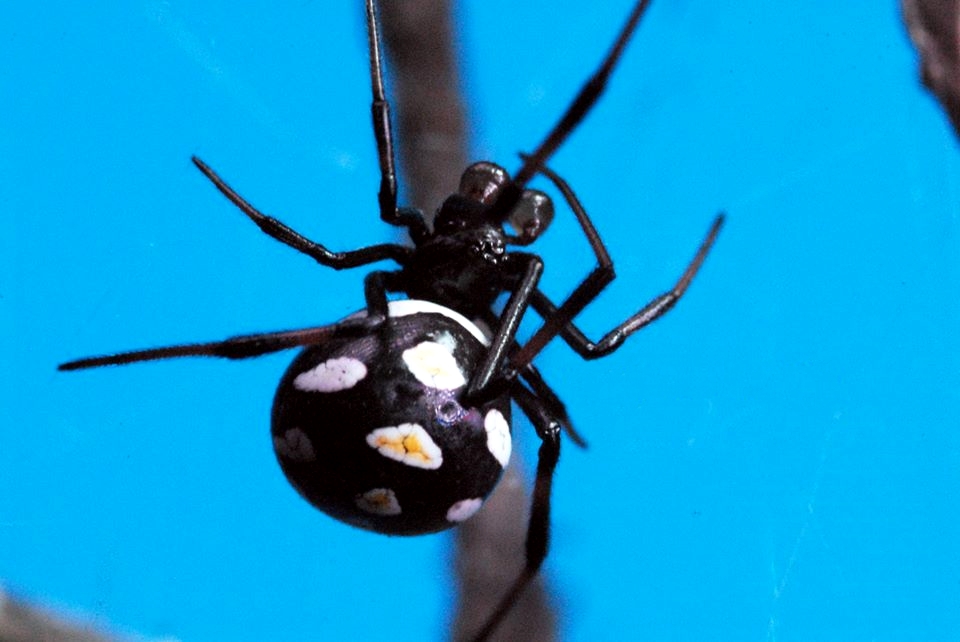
[
  {"x": 559, "y": 319},
  {"x": 559, "y": 323},
  {"x": 288, "y": 236}
]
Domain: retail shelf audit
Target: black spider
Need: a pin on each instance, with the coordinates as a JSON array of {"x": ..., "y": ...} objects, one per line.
[{"x": 396, "y": 419}]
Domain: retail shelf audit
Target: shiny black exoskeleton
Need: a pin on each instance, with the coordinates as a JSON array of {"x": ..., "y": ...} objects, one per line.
[
  {"x": 399, "y": 422},
  {"x": 372, "y": 429}
]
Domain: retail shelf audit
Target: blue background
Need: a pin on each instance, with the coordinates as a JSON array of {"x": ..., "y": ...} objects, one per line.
[{"x": 778, "y": 459}]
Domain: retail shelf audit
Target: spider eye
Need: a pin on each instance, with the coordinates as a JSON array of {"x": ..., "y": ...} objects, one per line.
[
  {"x": 482, "y": 181},
  {"x": 531, "y": 215}
]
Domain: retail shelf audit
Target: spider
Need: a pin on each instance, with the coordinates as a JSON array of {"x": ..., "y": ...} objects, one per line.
[{"x": 397, "y": 418}]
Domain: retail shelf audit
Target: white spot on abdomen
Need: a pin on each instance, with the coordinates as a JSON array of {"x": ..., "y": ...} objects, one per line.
[
  {"x": 332, "y": 375},
  {"x": 434, "y": 366},
  {"x": 379, "y": 501},
  {"x": 447, "y": 341},
  {"x": 464, "y": 509},
  {"x": 407, "y": 443},
  {"x": 295, "y": 446},
  {"x": 498, "y": 436}
]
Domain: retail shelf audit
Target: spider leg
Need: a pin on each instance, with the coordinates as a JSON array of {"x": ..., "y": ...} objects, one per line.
[
  {"x": 559, "y": 320},
  {"x": 277, "y": 230},
  {"x": 538, "y": 529},
  {"x": 552, "y": 403},
  {"x": 375, "y": 288},
  {"x": 586, "y": 224},
  {"x": 531, "y": 374},
  {"x": 407, "y": 217},
  {"x": 528, "y": 267},
  {"x": 575, "y": 113},
  {"x": 375, "y": 285},
  {"x": 239, "y": 347},
  {"x": 588, "y": 289}
]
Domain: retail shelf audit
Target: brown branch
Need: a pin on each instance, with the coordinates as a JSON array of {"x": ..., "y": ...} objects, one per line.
[
  {"x": 433, "y": 151},
  {"x": 429, "y": 112},
  {"x": 934, "y": 27},
  {"x": 23, "y": 622}
]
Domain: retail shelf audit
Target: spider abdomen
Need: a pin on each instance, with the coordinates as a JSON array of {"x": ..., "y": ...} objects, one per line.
[{"x": 370, "y": 426}]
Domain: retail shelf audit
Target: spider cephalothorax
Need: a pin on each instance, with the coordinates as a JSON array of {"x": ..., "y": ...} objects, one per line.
[{"x": 466, "y": 263}]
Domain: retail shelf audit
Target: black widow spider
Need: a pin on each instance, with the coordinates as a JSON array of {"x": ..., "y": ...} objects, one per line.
[{"x": 396, "y": 419}]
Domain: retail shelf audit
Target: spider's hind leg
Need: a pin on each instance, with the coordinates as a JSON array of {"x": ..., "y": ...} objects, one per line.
[
  {"x": 246, "y": 346},
  {"x": 538, "y": 529},
  {"x": 552, "y": 403},
  {"x": 239, "y": 347}
]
